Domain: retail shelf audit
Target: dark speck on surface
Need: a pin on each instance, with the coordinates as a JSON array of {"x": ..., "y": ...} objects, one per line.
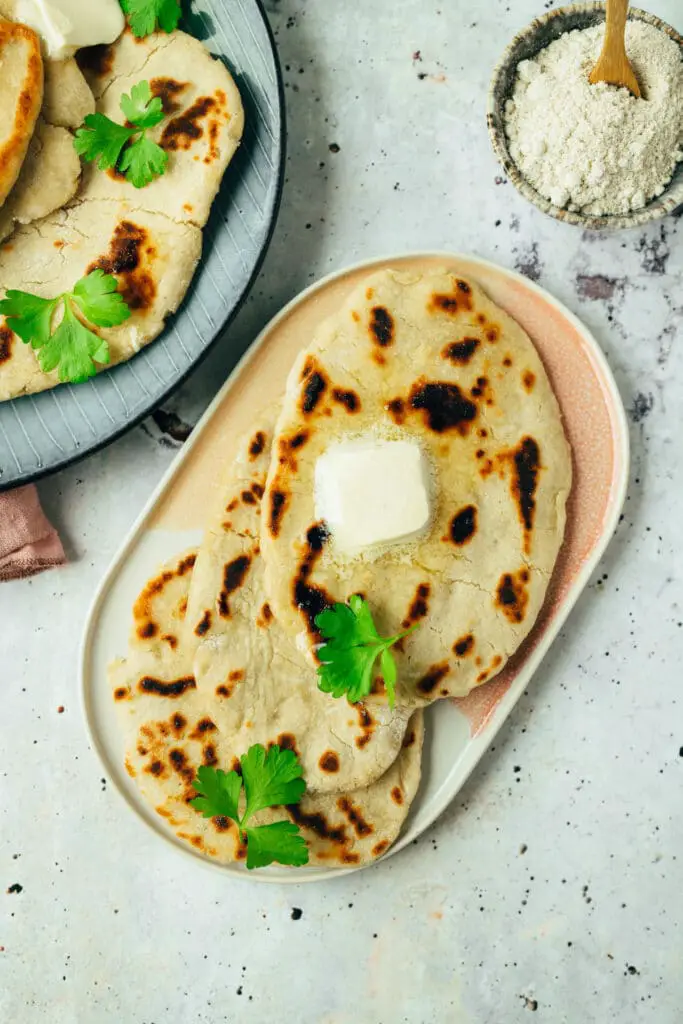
[
  {"x": 334, "y": 147},
  {"x": 597, "y": 287},
  {"x": 630, "y": 969},
  {"x": 297, "y": 913},
  {"x": 417, "y": 55},
  {"x": 15, "y": 888},
  {"x": 642, "y": 406},
  {"x": 171, "y": 425},
  {"x": 654, "y": 252},
  {"x": 528, "y": 263}
]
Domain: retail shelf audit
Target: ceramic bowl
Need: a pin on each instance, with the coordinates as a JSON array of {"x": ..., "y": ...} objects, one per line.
[{"x": 526, "y": 44}]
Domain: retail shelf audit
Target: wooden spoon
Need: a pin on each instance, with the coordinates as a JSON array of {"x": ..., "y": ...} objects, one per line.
[{"x": 613, "y": 65}]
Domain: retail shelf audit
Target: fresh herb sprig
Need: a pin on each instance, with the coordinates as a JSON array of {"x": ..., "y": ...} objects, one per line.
[
  {"x": 269, "y": 779},
  {"x": 144, "y": 16},
  {"x": 351, "y": 649},
  {"x": 72, "y": 348},
  {"x": 126, "y": 147}
]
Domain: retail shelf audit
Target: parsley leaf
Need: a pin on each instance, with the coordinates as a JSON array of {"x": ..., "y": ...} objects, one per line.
[
  {"x": 99, "y": 300},
  {"x": 126, "y": 147},
  {"x": 270, "y": 780},
  {"x": 352, "y": 647},
  {"x": 141, "y": 108},
  {"x": 143, "y": 161},
  {"x": 101, "y": 139},
  {"x": 72, "y": 348},
  {"x": 143, "y": 15},
  {"x": 281, "y": 842},
  {"x": 220, "y": 793},
  {"x": 31, "y": 316}
]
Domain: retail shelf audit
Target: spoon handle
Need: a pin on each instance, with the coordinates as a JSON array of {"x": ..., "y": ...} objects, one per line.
[{"x": 617, "y": 10}]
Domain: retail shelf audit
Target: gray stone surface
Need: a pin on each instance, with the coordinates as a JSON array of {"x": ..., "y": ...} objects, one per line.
[{"x": 551, "y": 889}]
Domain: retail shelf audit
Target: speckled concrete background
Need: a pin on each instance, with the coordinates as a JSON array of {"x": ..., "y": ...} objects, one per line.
[{"x": 551, "y": 890}]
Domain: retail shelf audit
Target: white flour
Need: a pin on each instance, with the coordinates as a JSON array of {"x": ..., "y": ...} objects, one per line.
[{"x": 595, "y": 148}]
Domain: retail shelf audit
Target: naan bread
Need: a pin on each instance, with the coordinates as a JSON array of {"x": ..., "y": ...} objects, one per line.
[
  {"x": 49, "y": 178},
  {"x": 152, "y": 257},
  {"x": 431, "y": 359},
  {"x": 200, "y": 134},
  {"x": 21, "y": 97},
  {"x": 171, "y": 728},
  {"x": 51, "y": 170},
  {"x": 244, "y": 659},
  {"x": 67, "y": 97},
  {"x": 150, "y": 238}
]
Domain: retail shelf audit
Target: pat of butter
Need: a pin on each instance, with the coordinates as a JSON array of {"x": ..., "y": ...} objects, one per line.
[
  {"x": 372, "y": 492},
  {"x": 67, "y": 25}
]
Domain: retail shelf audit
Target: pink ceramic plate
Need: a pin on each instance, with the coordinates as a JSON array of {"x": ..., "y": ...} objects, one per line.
[{"x": 458, "y": 732}]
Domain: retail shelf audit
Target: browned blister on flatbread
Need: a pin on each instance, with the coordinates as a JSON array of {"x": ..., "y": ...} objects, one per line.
[{"x": 427, "y": 358}]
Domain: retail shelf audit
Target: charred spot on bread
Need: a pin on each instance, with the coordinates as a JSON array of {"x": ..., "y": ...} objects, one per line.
[
  {"x": 166, "y": 688},
  {"x": 96, "y": 60},
  {"x": 512, "y": 596},
  {"x": 186, "y": 128},
  {"x": 278, "y": 501},
  {"x": 419, "y": 606},
  {"x": 361, "y": 827},
  {"x": 443, "y": 405},
  {"x": 234, "y": 573},
  {"x": 126, "y": 259},
  {"x": 308, "y": 598},
  {"x": 461, "y": 352},
  {"x": 463, "y": 526},
  {"x": 329, "y": 762},
  {"x": 432, "y": 677},
  {"x": 257, "y": 444},
  {"x": 464, "y": 646},
  {"x": 381, "y": 326},
  {"x": 168, "y": 90},
  {"x": 313, "y": 389},
  {"x": 349, "y": 399}
]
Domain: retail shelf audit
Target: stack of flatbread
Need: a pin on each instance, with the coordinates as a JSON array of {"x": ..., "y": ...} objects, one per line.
[
  {"x": 223, "y": 651},
  {"x": 60, "y": 220}
]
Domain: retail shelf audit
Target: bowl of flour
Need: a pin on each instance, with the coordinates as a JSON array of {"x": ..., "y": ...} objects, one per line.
[{"x": 591, "y": 155}]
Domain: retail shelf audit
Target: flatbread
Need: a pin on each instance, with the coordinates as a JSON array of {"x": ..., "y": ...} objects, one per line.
[
  {"x": 428, "y": 358},
  {"x": 51, "y": 170},
  {"x": 201, "y": 132},
  {"x": 170, "y": 728},
  {"x": 149, "y": 238},
  {"x": 49, "y": 178},
  {"x": 152, "y": 257},
  {"x": 245, "y": 659},
  {"x": 21, "y": 97},
  {"x": 66, "y": 96},
  {"x": 68, "y": 99}
]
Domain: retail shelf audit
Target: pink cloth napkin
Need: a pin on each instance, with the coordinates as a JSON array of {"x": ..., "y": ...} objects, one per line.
[{"x": 28, "y": 542}]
